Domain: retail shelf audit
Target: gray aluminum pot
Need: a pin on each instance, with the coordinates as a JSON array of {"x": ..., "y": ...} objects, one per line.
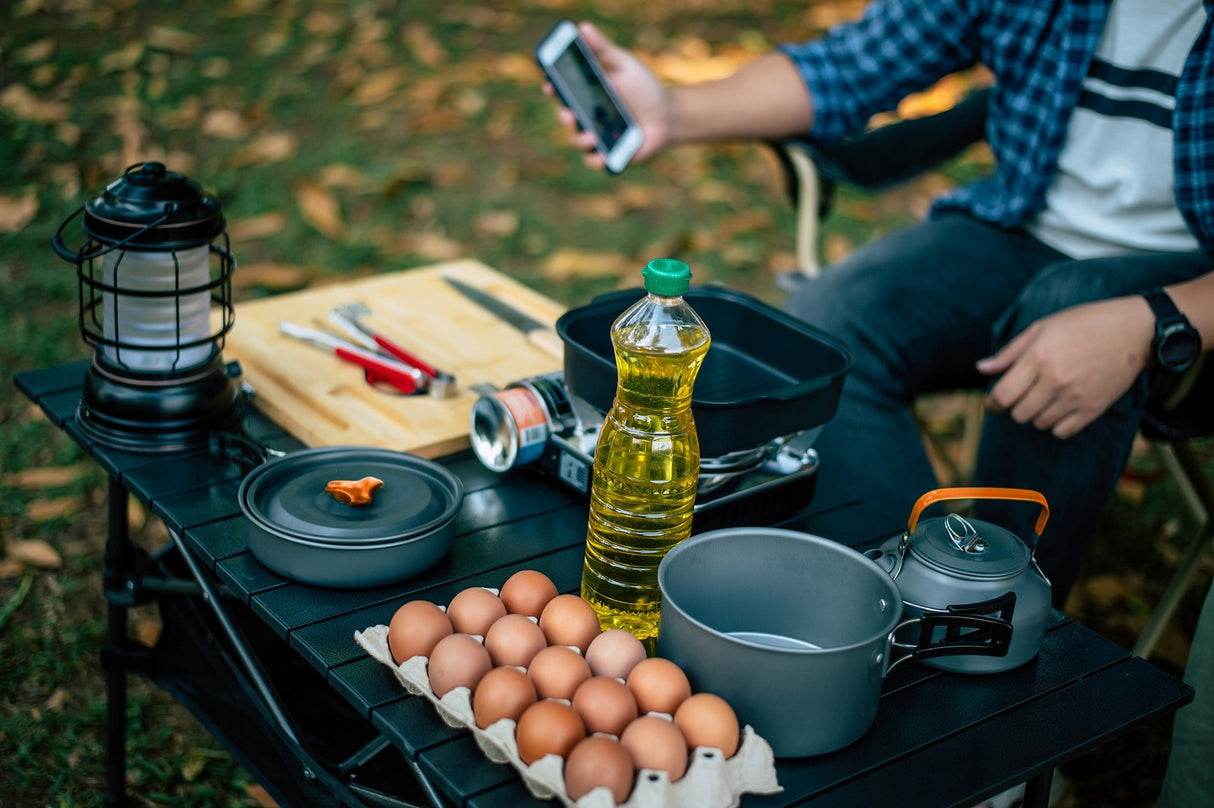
[
  {"x": 795, "y": 631},
  {"x": 297, "y": 529}
]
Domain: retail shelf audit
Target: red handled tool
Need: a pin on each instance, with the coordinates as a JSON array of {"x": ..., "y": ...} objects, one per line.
[{"x": 378, "y": 369}]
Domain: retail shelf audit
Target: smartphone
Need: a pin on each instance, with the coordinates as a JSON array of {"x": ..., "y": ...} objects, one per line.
[{"x": 579, "y": 81}]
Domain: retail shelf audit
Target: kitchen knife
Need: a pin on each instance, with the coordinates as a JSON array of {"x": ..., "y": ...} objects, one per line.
[{"x": 538, "y": 334}]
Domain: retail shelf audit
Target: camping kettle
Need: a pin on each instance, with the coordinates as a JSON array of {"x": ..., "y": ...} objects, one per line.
[{"x": 957, "y": 565}]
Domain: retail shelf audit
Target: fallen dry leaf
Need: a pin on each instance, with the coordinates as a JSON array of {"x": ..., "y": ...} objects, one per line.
[
  {"x": 319, "y": 208},
  {"x": 35, "y": 552},
  {"x": 422, "y": 44},
  {"x": 836, "y": 247},
  {"x": 568, "y": 263},
  {"x": 225, "y": 123},
  {"x": 56, "y": 700},
  {"x": 17, "y": 211},
  {"x": 429, "y": 245},
  {"x": 515, "y": 67},
  {"x": 136, "y": 514},
  {"x": 43, "y": 510},
  {"x": 35, "y": 52},
  {"x": 22, "y": 103},
  {"x": 172, "y": 39},
  {"x": 599, "y": 207},
  {"x": 272, "y": 276},
  {"x": 41, "y": 477},
  {"x": 193, "y": 766},
  {"x": 323, "y": 23},
  {"x": 260, "y": 796},
  {"x": 148, "y": 628},
  {"x": 11, "y": 568},
  {"x": 256, "y": 227},
  {"x": 272, "y": 147},
  {"x": 499, "y": 223},
  {"x": 747, "y": 221},
  {"x": 122, "y": 60},
  {"x": 379, "y": 87},
  {"x": 1108, "y": 589},
  {"x": 341, "y": 175},
  {"x": 825, "y": 15}
]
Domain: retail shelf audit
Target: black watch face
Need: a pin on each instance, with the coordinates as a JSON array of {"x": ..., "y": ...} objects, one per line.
[{"x": 1178, "y": 348}]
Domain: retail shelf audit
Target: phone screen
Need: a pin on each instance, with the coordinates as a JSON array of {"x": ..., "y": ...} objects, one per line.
[{"x": 586, "y": 91}]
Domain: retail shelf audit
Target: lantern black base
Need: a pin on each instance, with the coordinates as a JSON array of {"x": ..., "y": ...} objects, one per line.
[{"x": 149, "y": 413}]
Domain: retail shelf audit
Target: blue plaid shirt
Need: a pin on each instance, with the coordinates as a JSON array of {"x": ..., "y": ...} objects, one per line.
[{"x": 1038, "y": 51}]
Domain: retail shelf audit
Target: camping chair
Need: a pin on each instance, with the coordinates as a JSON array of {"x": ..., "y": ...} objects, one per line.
[
  {"x": 1185, "y": 415},
  {"x": 899, "y": 151}
]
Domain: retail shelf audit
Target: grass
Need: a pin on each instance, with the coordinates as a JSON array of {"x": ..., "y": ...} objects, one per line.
[{"x": 353, "y": 137}]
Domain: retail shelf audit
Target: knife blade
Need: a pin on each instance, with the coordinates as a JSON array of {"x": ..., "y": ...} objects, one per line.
[{"x": 538, "y": 334}]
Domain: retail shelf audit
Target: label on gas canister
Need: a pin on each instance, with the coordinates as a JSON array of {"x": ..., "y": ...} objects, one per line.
[{"x": 530, "y": 421}]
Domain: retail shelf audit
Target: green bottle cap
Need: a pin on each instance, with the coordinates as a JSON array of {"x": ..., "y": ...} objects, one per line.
[{"x": 666, "y": 277}]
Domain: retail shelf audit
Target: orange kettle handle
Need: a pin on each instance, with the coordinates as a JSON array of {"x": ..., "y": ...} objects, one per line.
[{"x": 945, "y": 494}]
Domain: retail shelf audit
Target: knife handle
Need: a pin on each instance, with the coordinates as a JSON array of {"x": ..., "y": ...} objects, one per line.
[{"x": 547, "y": 341}]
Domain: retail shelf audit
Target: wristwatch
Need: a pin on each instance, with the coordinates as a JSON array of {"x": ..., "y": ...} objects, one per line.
[{"x": 1176, "y": 344}]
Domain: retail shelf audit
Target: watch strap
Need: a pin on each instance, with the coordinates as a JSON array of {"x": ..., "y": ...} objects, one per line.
[{"x": 1161, "y": 304}]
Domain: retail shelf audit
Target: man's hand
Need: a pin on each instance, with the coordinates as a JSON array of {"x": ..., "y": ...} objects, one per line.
[
  {"x": 1065, "y": 370},
  {"x": 765, "y": 99},
  {"x": 635, "y": 85}
]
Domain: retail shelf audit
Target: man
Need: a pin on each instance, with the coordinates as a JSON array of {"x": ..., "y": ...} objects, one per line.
[{"x": 1101, "y": 122}]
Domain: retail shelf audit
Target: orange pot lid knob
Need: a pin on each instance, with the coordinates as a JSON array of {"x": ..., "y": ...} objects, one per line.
[{"x": 354, "y": 492}]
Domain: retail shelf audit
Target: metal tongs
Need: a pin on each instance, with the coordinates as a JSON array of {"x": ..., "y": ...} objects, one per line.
[
  {"x": 378, "y": 369},
  {"x": 438, "y": 383}
]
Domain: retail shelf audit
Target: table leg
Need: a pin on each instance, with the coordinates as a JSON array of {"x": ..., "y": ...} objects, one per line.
[
  {"x": 118, "y": 563},
  {"x": 1037, "y": 790}
]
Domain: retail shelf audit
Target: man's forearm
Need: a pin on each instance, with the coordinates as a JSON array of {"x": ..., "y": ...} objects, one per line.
[{"x": 765, "y": 99}]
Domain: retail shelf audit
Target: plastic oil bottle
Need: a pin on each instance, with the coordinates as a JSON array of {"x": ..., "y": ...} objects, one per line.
[{"x": 647, "y": 461}]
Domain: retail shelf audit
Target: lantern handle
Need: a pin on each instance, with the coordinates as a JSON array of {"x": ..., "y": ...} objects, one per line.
[{"x": 67, "y": 255}]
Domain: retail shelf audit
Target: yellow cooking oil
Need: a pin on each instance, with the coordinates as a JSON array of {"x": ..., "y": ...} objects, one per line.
[{"x": 646, "y": 464}]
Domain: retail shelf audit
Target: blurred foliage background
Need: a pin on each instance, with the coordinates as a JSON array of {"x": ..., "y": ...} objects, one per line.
[{"x": 354, "y": 137}]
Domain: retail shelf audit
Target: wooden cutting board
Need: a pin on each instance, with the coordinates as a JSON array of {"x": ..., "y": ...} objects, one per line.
[{"x": 324, "y": 401}]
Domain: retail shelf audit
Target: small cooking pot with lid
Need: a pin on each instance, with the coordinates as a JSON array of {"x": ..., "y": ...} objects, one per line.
[
  {"x": 350, "y": 516},
  {"x": 956, "y": 565}
]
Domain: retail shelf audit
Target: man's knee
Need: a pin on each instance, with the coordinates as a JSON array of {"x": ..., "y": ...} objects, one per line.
[{"x": 1056, "y": 287}]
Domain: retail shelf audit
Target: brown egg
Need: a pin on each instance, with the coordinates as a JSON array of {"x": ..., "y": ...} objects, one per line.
[
  {"x": 569, "y": 620},
  {"x": 502, "y": 693},
  {"x": 656, "y": 743},
  {"x": 514, "y": 640},
  {"x": 474, "y": 609},
  {"x": 415, "y": 629},
  {"x": 605, "y": 704},
  {"x": 557, "y": 671},
  {"x": 547, "y": 728},
  {"x": 527, "y": 592},
  {"x": 614, "y": 653},
  {"x": 706, "y": 719},
  {"x": 597, "y": 761},
  {"x": 659, "y": 685},
  {"x": 457, "y": 661}
]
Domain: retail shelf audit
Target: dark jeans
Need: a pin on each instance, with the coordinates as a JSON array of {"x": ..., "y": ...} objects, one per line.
[{"x": 918, "y": 308}]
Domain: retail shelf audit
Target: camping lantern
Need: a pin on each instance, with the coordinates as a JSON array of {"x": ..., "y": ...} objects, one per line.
[{"x": 150, "y": 274}]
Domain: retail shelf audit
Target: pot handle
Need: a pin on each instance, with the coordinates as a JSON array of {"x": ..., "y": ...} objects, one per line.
[{"x": 978, "y": 492}]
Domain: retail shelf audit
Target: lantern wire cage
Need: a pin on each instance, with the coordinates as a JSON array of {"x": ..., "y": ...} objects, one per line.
[{"x": 155, "y": 301}]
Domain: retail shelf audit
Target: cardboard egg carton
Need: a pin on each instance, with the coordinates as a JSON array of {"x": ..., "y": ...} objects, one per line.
[{"x": 711, "y": 781}]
